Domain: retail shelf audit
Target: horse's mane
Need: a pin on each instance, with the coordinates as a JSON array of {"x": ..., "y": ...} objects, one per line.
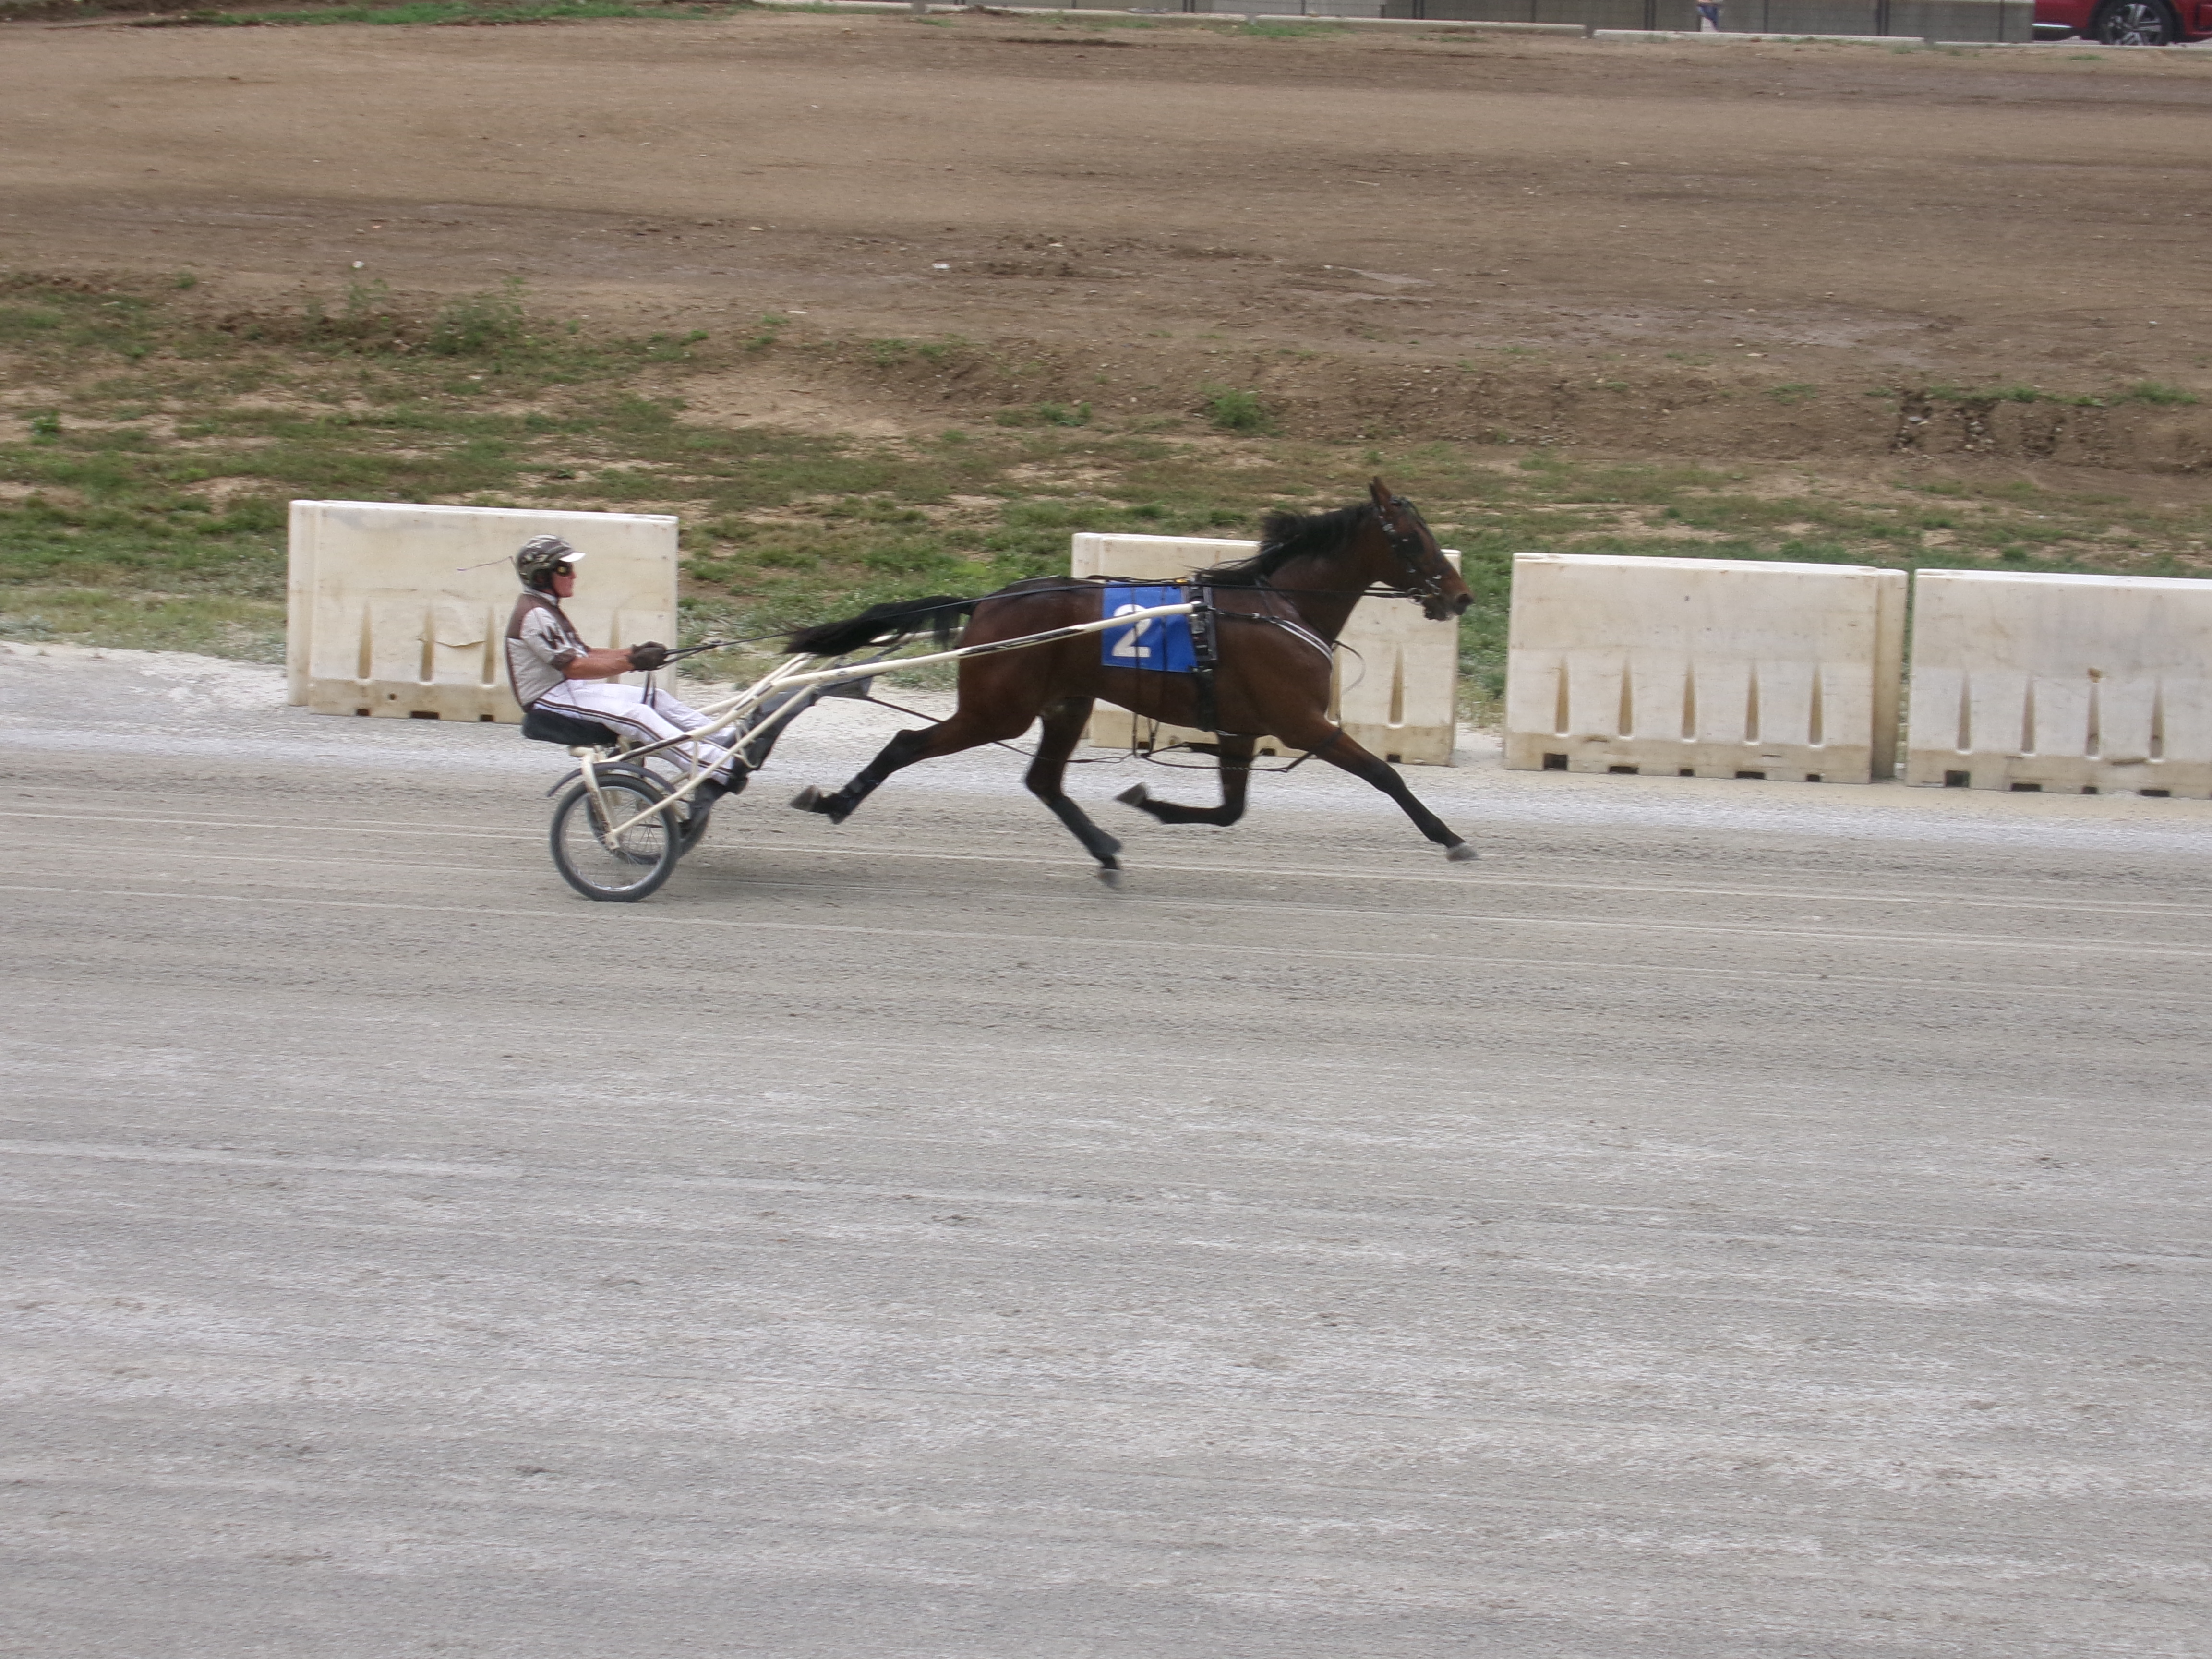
[{"x": 1285, "y": 536}]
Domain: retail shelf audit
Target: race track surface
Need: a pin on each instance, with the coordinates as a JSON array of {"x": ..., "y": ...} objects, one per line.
[{"x": 1740, "y": 1221}]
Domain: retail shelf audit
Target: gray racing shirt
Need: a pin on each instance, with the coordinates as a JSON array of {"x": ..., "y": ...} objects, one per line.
[{"x": 541, "y": 643}]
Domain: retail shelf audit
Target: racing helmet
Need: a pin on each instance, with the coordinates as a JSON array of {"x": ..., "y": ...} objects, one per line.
[{"x": 537, "y": 559}]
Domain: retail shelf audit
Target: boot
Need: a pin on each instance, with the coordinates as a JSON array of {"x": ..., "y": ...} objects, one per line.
[
  {"x": 732, "y": 781},
  {"x": 755, "y": 754}
]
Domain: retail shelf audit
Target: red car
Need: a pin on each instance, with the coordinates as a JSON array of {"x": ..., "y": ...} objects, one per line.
[{"x": 2126, "y": 22}]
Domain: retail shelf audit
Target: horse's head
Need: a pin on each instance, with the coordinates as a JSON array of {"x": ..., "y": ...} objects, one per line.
[{"x": 1417, "y": 564}]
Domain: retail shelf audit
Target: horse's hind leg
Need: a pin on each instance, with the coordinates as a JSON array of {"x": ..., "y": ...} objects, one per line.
[
  {"x": 1330, "y": 743},
  {"x": 948, "y": 737},
  {"x": 1236, "y": 756},
  {"x": 1063, "y": 727}
]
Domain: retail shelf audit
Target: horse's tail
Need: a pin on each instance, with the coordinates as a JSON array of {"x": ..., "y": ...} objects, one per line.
[{"x": 884, "y": 625}]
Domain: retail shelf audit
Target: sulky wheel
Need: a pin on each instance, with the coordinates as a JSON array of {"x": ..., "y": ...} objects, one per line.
[{"x": 625, "y": 867}]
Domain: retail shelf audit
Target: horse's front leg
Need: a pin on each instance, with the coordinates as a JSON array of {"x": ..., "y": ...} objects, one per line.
[
  {"x": 1235, "y": 754},
  {"x": 1062, "y": 730},
  {"x": 1331, "y": 743}
]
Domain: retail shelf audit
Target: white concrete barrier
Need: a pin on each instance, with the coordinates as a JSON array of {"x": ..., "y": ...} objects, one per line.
[
  {"x": 400, "y": 610},
  {"x": 1710, "y": 668},
  {"x": 1399, "y": 696},
  {"x": 2080, "y": 683}
]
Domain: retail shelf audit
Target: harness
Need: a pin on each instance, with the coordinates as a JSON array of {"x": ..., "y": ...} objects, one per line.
[
  {"x": 1296, "y": 630},
  {"x": 1403, "y": 527},
  {"x": 1205, "y": 644},
  {"x": 1206, "y": 647}
]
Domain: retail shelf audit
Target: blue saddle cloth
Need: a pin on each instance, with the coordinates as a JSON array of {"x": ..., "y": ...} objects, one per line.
[{"x": 1161, "y": 642}]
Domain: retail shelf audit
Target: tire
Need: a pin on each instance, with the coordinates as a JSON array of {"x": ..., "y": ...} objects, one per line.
[
  {"x": 2135, "y": 23},
  {"x": 644, "y": 857}
]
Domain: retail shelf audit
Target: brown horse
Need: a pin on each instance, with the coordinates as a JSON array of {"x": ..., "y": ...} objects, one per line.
[{"x": 1277, "y": 616}]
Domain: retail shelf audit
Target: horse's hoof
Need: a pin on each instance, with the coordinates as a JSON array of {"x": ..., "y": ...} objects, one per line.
[
  {"x": 1135, "y": 795},
  {"x": 1111, "y": 877},
  {"x": 1459, "y": 853},
  {"x": 808, "y": 799}
]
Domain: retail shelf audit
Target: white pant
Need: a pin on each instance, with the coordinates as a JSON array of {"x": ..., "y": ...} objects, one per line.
[{"x": 647, "y": 715}]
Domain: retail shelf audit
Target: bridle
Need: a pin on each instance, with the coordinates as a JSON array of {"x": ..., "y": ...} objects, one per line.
[{"x": 1408, "y": 545}]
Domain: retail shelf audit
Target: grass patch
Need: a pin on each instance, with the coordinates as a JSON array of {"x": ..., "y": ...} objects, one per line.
[
  {"x": 1232, "y": 410},
  {"x": 769, "y": 332},
  {"x": 149, "y": 451},
  {"x": 480, "y": 324},
  {"x": 2157, "y": 392},
  {"x": 213, "y": 625},
  {"x": 1046, "y": 415}
]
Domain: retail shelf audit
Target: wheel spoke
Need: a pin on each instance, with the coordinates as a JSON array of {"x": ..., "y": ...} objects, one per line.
[
  {"x": 2135, "y": 23},
  {"x": 598, "y": 848}
]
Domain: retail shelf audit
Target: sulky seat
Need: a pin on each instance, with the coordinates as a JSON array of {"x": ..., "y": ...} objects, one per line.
[{"x": 543, "y": 726}]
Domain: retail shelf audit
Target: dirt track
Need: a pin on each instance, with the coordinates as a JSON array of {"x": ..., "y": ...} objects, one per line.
[
  {"x": 1833, "y": 218},
  {"x": 1733, "y": 1221}
]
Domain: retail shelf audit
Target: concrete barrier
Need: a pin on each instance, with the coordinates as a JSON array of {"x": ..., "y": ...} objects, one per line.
[
  {"x": 1571, "y": 15},
  {"x": 1710, "y": 668},
  {"x": 1398, "y": 696},
  {"x": 1972, "y": 20},
  {"x": 1322, "y": 11},
  {"x": 1986, "y": 21},
  {"x": 1753, "y": 39},
  {"x": 400, "y": 610},
  {"x": 2080, "y": 684}
]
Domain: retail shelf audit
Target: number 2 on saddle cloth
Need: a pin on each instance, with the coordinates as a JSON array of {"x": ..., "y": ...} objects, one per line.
[{"x": 1169, "y": 645}]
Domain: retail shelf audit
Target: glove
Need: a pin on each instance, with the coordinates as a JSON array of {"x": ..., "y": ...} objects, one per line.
[{"x": 644, "y": 658}]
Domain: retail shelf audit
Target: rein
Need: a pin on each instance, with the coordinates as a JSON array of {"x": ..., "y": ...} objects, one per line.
[
  {"x": 1328, "y": 648},
  {"x": 1405, "y": 545}
]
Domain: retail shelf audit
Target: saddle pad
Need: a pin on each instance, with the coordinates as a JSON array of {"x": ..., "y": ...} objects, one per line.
[{"x": 1161, "y": 642}]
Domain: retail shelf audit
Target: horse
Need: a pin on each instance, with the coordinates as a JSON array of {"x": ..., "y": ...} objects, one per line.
[{"x": 1277, "y": 616}]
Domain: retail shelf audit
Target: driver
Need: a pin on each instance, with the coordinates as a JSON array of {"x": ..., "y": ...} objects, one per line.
[{"x": 551, "y": 668}]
